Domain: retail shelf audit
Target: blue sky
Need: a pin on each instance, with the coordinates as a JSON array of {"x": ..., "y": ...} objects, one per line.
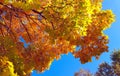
[{"x": 68, "y": 65}]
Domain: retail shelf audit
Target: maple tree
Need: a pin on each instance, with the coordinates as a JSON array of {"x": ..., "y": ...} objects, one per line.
[{"x": 51, "y": 28}]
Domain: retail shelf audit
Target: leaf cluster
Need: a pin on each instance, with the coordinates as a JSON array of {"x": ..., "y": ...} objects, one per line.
[{"x": 51, "y": 28}]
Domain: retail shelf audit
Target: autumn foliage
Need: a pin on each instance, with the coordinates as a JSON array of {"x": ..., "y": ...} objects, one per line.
[{"x": 51, "y": 28}]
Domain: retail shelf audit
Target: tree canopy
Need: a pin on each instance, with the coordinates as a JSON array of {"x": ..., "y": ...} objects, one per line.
[{"x": 51, "y": 28}]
